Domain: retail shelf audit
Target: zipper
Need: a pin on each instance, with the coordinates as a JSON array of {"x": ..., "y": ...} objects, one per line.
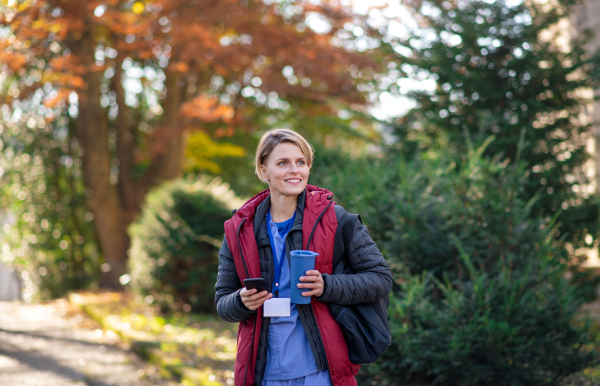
[{"x": 255, "y": 315}]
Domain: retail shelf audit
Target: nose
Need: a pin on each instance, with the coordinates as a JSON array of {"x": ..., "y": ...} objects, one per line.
[{"x": 294, "y": 168}]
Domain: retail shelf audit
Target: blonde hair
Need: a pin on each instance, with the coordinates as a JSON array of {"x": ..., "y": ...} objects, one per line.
[{"x": 272, "y": 138}]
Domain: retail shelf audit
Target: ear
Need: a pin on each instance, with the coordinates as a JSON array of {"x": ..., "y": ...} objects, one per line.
[{"x": 263, "y": 172}]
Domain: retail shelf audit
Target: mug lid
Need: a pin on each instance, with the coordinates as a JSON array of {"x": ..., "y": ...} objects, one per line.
[{"x": 303, "y": 253}]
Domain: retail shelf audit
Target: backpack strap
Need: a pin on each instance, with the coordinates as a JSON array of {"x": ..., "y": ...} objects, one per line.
[
  {"x": 348, "y": 229},
  {"x": 347, "y": 224}
]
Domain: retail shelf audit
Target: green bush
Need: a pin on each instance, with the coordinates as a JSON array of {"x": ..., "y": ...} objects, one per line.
[
  {"x": 175, "y": 243},
  {"x": 511, "y": 328},
  {"x": 480, "y": 294}
]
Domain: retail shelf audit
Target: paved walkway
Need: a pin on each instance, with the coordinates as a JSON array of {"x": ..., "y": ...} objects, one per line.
[{"x": 50, "y": 345}]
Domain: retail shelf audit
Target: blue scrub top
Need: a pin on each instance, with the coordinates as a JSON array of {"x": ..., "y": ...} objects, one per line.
[{"x": 289, "y": 355}]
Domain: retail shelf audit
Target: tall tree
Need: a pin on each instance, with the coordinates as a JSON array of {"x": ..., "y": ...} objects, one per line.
[
  {"x": 137, "y": 77},
  {"x": 511, "y": 71}
]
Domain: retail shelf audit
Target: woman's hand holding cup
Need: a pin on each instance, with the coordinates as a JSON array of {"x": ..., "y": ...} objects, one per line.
[
  {"x": 313, "y": 281},
  {"x": 252, "y": 300}
]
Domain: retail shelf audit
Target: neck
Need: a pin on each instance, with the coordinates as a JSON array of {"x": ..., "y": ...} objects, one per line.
[{"x": 282, "y": 207}]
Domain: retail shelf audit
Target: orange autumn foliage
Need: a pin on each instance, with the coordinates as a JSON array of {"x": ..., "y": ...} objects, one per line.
[
  {"x": 193, "y": 36},
  {"x": 176, "y": 50},
  {"x": 206, "y": 110}
]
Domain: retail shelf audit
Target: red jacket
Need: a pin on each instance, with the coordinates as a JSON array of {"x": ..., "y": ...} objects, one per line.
[{"x": 318, "y": 233}]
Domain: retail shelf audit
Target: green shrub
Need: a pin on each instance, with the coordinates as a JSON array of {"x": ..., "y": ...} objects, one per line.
[
  {"x": 512, "y": 328},
  {"x": 175, "y": 243}
]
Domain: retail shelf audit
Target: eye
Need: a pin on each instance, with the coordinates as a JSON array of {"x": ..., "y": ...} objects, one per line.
[
  {"x": 282, "y": 163},
  {"x": 302, "y": 163}
]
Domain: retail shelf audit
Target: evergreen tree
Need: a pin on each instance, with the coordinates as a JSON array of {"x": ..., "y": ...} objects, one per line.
[{"x": 501, "y": 70}]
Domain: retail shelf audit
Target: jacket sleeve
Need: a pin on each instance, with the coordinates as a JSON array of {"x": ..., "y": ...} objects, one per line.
[
  {"x": 227, "y": 289},
  {"x": 369, "y": 277}
]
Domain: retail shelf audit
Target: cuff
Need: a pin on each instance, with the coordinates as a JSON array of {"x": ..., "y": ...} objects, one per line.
[
  {"x": 327, "y": 285},
  {"x": 238, "y": 299}
]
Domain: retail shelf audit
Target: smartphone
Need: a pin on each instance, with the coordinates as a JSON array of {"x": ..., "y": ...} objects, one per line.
[{"x": 259, "y": 283}]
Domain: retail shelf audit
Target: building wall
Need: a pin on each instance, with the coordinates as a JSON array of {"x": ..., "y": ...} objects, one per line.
[{"x": 587, "y": 16}]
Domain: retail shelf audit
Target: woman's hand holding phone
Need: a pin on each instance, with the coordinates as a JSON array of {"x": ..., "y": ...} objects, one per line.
[
  {"x": 252, "y": 300},
  {"x": 255, "y": 293}
]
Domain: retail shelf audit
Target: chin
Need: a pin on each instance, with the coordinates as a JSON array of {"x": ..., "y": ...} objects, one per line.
[
  {"x": 293, "y": 190},
  {"x": 296, "y": 191}
]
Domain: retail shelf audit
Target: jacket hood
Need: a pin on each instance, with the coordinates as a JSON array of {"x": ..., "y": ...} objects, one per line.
[{"x": 316, "y": 199}]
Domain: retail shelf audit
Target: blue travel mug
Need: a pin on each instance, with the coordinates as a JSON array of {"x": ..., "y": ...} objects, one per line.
[{"x": 301, "y": 261}]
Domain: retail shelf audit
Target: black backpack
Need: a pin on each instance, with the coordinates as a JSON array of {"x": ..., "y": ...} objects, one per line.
[{"x": 364, "y": 326}]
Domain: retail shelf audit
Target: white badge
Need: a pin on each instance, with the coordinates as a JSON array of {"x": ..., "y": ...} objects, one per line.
[{"x": 276, "y": 307}]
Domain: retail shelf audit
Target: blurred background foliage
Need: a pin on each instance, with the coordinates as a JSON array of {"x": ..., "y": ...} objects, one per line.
[
  {"x": 481, "y": 194},
  {"x": 51, "y": 235},
  {"x": 511, "y": 72},
  {"x": 175, "y": 244},
  {"x": 201, "y": 150}
]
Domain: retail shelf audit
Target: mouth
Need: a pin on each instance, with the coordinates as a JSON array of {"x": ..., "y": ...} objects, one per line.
[{"x": 293, "y": 181}]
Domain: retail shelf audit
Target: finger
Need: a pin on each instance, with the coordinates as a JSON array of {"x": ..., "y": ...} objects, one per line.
[
  {"x": 259, "y": 295},
  {"x": 269, "y": 296},
  {"x": 247, "y": 292},
  {"x": 259, "y": 302},
  {"x": 309, "y": 285},
  {"x": 314, "y": 292},
  {"x": 311, "y": 278},
  {"x": 253, "y": 304},
  {"x": 313, "y": 272}
]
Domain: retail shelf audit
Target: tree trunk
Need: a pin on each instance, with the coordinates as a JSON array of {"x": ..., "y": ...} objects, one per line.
[
  {"x": 131, "y": 192},
  {"x": 167, "y": 163},
  {"x": 173, "y": 157},
  {"x": 115, "y": 207},
  {"x": 170, "y": 140},
  {"x": 92, "y": 129}
]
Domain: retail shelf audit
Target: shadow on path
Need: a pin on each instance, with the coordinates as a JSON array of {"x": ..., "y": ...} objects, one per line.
[
  {"x": 50, "y": 337},
  {"x": 43, "y": 363}
]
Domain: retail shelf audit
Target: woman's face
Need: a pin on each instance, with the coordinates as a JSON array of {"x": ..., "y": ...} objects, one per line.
[{"x": 286, "y": 170}]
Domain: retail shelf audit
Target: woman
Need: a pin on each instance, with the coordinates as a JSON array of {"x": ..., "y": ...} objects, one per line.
[{"x": 306, "y": 348}]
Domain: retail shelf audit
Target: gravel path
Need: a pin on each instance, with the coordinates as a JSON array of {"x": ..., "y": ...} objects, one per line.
[{"x": 52, "y": 345}]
